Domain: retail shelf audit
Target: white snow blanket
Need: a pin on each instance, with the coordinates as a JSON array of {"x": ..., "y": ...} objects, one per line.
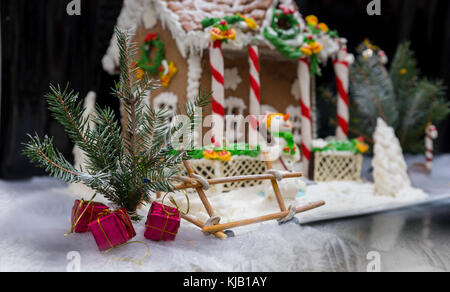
[{"x": 35, "y": 214}]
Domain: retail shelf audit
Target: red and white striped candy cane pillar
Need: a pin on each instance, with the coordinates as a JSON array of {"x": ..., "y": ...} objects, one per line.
[
  {"x": 305, "y": 106},
  {"x": 218, "y": 88},
  {"x": 430, "y": 134},
  {"x": 341, "y": 69},
  {"x": 255, "y": 99}
]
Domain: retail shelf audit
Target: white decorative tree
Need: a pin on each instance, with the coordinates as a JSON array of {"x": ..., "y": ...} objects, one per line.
[{"x": 390, "y": 169}]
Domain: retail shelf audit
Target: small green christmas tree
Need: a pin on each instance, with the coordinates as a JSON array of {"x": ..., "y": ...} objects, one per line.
[
  {"x": 126, "y": 166},
  {"x": 398, "y": 95},
  {"x": 419, "y": 100}
]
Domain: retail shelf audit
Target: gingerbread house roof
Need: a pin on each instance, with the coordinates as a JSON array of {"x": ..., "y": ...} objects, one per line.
[
  {"x": 192, "y": 12},
  {"x": 182, "y": 18}
]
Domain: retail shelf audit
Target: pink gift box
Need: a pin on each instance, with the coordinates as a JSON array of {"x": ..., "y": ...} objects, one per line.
[
  {"x": 112, "y": 230},
  {"x": 91, "y": 214},
  {"x": 162, "y": 224}
]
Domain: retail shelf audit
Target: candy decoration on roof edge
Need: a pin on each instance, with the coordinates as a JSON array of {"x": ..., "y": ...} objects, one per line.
[
  {"x": 222, "y": 32},
  {"x": 255, "y": 99},
  {"x": 431, "y": 134},
  {"x": 304, "y": 78},
  {"x": 341, "y": 68},
  {"x": 233, "y": 19}
]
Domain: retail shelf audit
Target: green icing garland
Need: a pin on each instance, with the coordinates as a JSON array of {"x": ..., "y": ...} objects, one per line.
[
  {"x": 207, "y": 22},
  {"x": 286, "y": 50},
  {"x": 239, "y": 149},
  {"x": 350, "y": 146}
]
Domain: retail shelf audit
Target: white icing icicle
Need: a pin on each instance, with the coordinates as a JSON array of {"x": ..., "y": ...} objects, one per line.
[
  {"x": 149, "y": 17},
  {"x": 194, "y": 75}
]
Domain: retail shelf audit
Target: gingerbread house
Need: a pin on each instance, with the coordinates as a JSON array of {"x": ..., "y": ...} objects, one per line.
[{"x": 254, "y": 55}]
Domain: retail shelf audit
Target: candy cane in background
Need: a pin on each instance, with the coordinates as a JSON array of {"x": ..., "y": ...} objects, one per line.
[
  {"x": 430, "y": 135},
  {"x": 304, "y": 78},
  {"x": 255, "y": 99},
  {"x": 341, "y": 69},
  {"x": 216, "y": 62}
]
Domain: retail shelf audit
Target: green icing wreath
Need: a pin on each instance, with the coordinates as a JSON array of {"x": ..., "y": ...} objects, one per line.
[
  {"x": 293, "y": 25},
  {"x": 152, "y": 66}
]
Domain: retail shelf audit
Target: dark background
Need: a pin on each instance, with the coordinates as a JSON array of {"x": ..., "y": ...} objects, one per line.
[{"x": 41, "y": 44}]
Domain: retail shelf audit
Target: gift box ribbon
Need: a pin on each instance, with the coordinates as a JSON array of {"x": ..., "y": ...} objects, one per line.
[
  {"x": 130, "y": 227},
  {"x": 168, "y": 213},
  {"x": 163, "y": 230}
]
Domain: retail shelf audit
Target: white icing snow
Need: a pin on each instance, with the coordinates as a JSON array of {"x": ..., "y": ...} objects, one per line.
[
  {"x": 330, "y": 47},
  {"x": 319, "y": 143},
  {"x": 232, "y": 78},
  {"x": 167, "y": 100},
  {"x": 341, "y": 198},
  {"x": 233, "y": 104},
  {"x": 289, "y": 189}
]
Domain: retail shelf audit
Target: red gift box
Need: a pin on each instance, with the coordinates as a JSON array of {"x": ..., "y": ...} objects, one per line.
[
  {"x": 112, "y": 230},
  {"x": 162, "y": 222},
  {"x": 91, "y": 214}
]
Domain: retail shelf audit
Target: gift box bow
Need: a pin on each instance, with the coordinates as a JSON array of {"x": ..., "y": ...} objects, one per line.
[
  {"x": 163, "y": 210},
  {"x": 93, "y": 207}
]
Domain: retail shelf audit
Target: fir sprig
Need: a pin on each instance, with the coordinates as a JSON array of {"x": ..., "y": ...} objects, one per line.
[{"x": 126, "y": 163}]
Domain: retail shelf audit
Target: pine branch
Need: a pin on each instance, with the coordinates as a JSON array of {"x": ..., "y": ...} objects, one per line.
[
  {"x": 69, "y": 112},
  {"x": 125, "y": 166},
  {"x": 105, "y": 121},
  {"x": 44, "y": 154}
]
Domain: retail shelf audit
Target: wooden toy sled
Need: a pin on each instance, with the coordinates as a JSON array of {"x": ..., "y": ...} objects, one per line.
[{"x": 213, "y": 225}]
